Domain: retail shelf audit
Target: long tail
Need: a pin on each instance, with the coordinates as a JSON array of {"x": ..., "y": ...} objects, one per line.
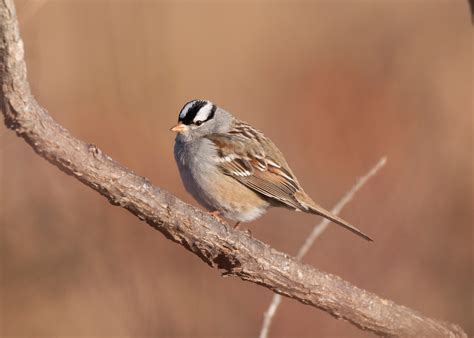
[{"x": 326, "y": 214}]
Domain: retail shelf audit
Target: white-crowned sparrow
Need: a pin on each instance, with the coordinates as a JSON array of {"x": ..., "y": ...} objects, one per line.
[{"x": 233, "y": 170}]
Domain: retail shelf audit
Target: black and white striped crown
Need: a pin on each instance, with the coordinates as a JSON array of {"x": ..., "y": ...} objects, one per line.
[{"x": 197, "y": 112}]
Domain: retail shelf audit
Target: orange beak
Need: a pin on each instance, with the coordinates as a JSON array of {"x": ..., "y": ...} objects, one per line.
[{"x": 179, "y": 128}]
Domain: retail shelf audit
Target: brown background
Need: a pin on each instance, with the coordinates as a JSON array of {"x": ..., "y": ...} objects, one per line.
[{"x": 336, "y": 84}]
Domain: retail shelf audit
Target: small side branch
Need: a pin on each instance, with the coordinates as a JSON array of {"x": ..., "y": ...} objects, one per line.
[{"x": 232, "y": 251}]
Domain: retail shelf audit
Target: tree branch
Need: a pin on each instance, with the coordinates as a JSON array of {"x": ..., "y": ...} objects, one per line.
[{"x": 235, "y": 252}]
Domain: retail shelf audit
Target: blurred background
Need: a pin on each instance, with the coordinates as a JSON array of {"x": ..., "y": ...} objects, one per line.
[{"x": 336, "y": 84}]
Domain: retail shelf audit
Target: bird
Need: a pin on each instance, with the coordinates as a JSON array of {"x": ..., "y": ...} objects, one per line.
[{"x": 235, "y": 171}]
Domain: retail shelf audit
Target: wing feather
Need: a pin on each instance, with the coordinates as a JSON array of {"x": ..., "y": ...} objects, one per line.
[
  {"x": 253, "y": 160},
  {"x": 244, "y": 155}
]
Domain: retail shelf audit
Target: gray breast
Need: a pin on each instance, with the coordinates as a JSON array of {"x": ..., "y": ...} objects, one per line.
[{"x": 197, "y": 167}]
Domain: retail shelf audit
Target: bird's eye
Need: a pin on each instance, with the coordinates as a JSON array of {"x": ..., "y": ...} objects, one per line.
[{"x": 198, "y": 123}]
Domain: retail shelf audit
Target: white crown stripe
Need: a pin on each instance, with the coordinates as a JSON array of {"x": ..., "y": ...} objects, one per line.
[
  {"x": 185, "y": 110},
  {"x": 203, "y": 113}
]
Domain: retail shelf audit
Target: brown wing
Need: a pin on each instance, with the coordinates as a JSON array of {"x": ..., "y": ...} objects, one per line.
[{"x": 244, "y": 155}]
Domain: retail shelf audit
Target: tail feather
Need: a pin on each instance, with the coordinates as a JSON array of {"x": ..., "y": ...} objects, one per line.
[{"x": 316, "y": 209}]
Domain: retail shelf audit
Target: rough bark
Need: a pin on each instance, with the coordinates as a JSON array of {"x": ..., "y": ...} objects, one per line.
[{"x": 234, "y": 252}]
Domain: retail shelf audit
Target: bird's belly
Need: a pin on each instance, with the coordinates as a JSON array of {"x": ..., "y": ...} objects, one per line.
[
  {"x": 226, "y": 195},
  {"x": 218, "y": 192}
]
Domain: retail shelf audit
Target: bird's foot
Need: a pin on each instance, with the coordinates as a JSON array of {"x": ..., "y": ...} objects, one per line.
[
  {"x": 247, "y": 231},
  {"x": 217, "y": 215}
]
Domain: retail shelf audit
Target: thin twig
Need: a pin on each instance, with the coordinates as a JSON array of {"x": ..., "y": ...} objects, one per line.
[
  {"x": 317, "y": 231},
  {"x": 269, "y": 314}
]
